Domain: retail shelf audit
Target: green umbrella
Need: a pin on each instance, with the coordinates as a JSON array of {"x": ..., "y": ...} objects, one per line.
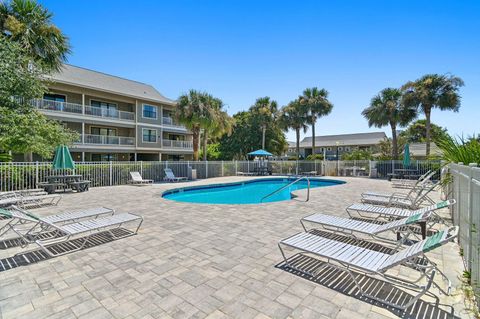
[
  {"x": 406, "y": 156},
  {"x": 63, "y": 159}
]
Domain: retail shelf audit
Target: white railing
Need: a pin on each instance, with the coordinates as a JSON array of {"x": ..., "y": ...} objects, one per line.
[
  {"x": 178, "y": 144},
  {"x": 67, "y": 107},
  {"x": 57, "y": 106},
  {"x": 464, "y": 186},
  {"x": 109, "y": 113},
  {"x": 18, "y": 176},
  {"x": 166, "y": 120},
  {"x": 108, "y": 140}
]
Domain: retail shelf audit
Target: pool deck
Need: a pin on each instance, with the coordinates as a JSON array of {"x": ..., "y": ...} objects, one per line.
[{"x": 202, "y": 261}]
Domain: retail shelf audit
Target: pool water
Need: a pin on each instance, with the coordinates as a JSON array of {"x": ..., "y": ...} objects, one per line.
[{"x": 247, "y": 192}]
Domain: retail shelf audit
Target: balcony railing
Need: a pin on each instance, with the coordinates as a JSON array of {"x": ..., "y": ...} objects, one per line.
[
  {"x": 166, "y": 120},
  {"x": 77, "y": 109},
  {"x": 188, "y": 145},
  {"x": 57, "y": 106},
  {"x": 109, "y": 113},
  {"x": 108, "y": 140}
]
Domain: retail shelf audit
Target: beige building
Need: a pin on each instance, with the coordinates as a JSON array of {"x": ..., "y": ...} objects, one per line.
[{"x": 117, "y": 119}]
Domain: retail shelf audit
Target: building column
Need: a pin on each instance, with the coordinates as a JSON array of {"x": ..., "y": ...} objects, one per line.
[
  {"x": 160, "y": 157},
  {"x": 83, "y": 156},
  {"x": 135, "y": 156},
  {"x": 83, "y": 132},
  {"x": 83, "y": 103}
]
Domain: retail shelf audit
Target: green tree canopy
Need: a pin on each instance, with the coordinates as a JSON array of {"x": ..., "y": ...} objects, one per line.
[
  {"x": 293, "y": 117},
  {"x": 417, "y": 132},
  {"x": 22, "y": 128},
  {"x": 433, "y": 91},
  {"x": 386, "y": 109},
  {"x": 265, "y": 112},
  {"x": 30, "y": 25},
  {"x": 242, "y": 141}
]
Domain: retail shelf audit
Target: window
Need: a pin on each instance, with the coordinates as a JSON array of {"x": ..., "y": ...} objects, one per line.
[
  {"x": 329, "y": 148},
  {"x": 149, "y": 136},
  {"x": 340, "y": 148},
  {"x": 347, "y": 149},
  {"x": 105, "y": 131},
  {"x": 104, "y": 108},
  {"x": 149, "y": 111},
  {"x": 55, "y": 97},
  {"x": 104, "y": 157}
]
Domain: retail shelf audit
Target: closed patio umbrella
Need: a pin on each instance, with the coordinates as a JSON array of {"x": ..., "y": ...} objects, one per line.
[
  {"x": 63, "y": 159},
  {"x": 406, "y": 156}
]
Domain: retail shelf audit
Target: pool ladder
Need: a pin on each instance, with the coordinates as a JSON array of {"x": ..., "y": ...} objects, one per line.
[{"x": 288, "y": 185}]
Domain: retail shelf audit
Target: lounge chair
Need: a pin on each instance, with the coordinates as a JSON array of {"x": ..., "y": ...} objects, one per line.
[
  {"x": 350, "y": 258},
  {"x": 136, "y": 179},
  {"x": 42, "y": 222},
  {"x": 412, "y": 200},
  {"x": 170, "y": 177},
  {"x": 365, "y": 210},
  {"x": 74, "y": 236},
  {"x": 355, "y": 227},
  {"x": 422, "y": 182},
  {"x": 33, "y": 199}
]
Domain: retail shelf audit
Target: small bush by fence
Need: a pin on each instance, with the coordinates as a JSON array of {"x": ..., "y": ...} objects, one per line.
[
  {"x": 464, "y": 187},
  {"x": 20, "y": 175}
]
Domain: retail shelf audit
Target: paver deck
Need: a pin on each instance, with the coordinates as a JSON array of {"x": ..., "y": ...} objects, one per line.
[{"x": 200, "y": 261}]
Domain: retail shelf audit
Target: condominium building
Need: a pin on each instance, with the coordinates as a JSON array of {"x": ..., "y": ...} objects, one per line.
[
  {"x": 333, "y": 146},
  {"x": 117, "y": 119}
]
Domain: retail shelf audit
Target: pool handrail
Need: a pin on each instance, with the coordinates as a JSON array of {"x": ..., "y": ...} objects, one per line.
[{"x": 288, "y": 185}]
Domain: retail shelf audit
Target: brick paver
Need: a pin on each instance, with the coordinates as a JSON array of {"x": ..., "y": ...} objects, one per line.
[{"x": 198, "y": 261}]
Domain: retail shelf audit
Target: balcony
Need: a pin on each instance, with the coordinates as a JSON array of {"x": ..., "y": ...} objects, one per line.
[
  {"x": 166, "y": 120},
  {"x": 66, "y": 107},
  {"x": 185, "y": 145},
  {"x": 108, "y": 140}
]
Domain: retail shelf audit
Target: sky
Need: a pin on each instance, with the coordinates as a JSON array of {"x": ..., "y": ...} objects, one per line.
[{"x": 239, "y": 50}]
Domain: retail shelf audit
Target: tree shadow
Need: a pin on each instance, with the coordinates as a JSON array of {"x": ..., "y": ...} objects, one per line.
[{"x": 38, "y": 255}]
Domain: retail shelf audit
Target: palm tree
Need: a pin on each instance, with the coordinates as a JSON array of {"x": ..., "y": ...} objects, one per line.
[
  {"x": 266, "y": 110},
  {"x": 386, "y": 109},
  {"x": 292, "y": 116},
  {"x": 29, "y": 24},
  {"x": 433, "y": 91},
  {"x": 218, "y": 123},
  {"x": 316, "y": 104},
  {"x": 195, "y": 113}
]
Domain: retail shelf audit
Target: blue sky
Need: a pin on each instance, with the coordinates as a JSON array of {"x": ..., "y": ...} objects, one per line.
[{"x": 239, "y": 50}]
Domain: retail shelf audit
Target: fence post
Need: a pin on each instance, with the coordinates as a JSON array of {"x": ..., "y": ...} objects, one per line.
[
  {"x": 141, "y": 168},
  {"x": 393, "y": 167},
  {"x": 36, "y": 174},
  {"x": 236, "y": 167},
  {"x": 206, "y": 169},
  {"x": 111, "y": 175},
  {"x": 248, "y": 166},
  {"x": 222, "y": 169}
]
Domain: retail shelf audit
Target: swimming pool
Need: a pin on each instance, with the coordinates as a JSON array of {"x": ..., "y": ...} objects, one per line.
[{"x": 246, "y": 192}]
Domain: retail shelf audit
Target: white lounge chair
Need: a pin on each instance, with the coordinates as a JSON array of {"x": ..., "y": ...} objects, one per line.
[
  {"x": 136, "y": 179},
  {"x": 74, "y": 236},
  {"x": 351, "y": 258},
  {"x": 29, "y": 199},
  {"x": 412, "y": 200},
  {"x": 355, "y": 227},
  {"x": 170, "y": 177},
  {"x": 41, "y": 224},
  {"x": 422, "y": 182},
  {"x": 369, "y": 211}
]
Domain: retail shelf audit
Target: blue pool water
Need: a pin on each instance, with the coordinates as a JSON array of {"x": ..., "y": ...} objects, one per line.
[{"x": 247, "y": 192}]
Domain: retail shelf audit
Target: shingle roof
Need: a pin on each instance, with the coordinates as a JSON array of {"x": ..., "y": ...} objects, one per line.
[
  {"x": 75, "y": 75},
  {"x": 345, "y": 139}
]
